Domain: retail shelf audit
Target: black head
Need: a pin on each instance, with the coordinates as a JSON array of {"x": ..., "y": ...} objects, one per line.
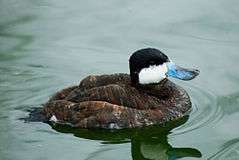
[{"x": 145, "y": 58}]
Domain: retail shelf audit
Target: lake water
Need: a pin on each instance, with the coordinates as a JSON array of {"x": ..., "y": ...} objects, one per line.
[{"x": 50, "y": 44}]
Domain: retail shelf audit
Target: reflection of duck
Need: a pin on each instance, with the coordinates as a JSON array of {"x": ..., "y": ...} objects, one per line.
[
  {"x": 148, "y": 143},
  {"x": 143, "y": 98}
]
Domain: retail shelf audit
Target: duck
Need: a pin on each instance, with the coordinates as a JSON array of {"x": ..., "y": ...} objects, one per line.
[{"x": 142, "y": 98}]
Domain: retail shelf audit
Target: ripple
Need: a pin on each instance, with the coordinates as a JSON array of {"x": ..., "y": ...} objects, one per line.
[
  {"x": 205, "y": 110},
  {"x": 32, "y": 141},
  {"x": 230, "y": 150}
]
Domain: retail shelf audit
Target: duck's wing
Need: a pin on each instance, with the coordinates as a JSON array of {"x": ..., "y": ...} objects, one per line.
[
  {"x": 118, "y": 94},
  {"x": 100, "y": 114},
  {"x": 60, "y": 95},
  {"x": 100, "y": 88},
  {"x": 93, "y": 81}
]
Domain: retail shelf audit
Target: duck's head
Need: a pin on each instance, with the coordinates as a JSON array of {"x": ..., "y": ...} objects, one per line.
[{"x": 151, "y": 66}]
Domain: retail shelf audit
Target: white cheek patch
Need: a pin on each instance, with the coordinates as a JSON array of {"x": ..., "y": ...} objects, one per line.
[{"x": 153, "y": 74}]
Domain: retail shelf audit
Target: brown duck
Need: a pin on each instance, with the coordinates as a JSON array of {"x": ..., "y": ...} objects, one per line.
[{"x": 145, "y": 97}]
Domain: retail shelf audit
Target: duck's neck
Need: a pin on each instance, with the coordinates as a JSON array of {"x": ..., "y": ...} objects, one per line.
[{"x": 157, "y": 89}]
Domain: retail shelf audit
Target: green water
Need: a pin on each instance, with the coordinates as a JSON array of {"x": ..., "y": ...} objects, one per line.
[{"x": 50, "y": 44}]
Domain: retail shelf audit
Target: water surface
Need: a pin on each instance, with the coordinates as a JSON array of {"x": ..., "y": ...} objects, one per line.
[{"x": 50, "y": 44}]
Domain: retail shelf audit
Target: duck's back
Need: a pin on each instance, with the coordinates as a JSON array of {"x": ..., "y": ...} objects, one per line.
[{"x": 110, "y": 101}]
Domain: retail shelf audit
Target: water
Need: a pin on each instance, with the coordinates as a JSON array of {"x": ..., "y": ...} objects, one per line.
[{"x": 50, "y": 44}]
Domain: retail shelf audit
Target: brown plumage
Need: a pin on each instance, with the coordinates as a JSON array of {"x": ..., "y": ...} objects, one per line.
[{"x": 110, "y": 101}]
